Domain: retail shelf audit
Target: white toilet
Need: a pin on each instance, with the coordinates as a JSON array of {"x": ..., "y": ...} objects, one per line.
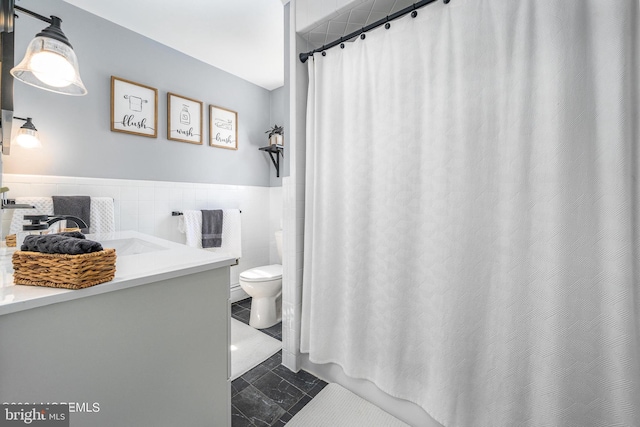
[{"x": 264, "y": 286}]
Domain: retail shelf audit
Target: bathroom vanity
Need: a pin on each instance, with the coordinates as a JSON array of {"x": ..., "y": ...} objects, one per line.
[{"x": 149, "y": 348}]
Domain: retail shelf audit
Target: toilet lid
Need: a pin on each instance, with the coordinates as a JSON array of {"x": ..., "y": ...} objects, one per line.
[{"x": 260, "y": 274}]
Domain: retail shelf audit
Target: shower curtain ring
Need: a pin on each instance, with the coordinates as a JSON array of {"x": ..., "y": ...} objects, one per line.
[
  {"x": 415, "y": 12},
  {"x": 387, "y": 25}
]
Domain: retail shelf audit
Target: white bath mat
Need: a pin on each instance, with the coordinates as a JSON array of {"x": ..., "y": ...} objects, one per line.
[
  {"x": 336, "y": 406},
  {"x": 249, "y": 348}
]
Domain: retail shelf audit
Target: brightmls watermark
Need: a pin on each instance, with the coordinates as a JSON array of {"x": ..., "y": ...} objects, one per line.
[
  {"x": 40, "y": 415},
  {"x": 43, "y": 414}
]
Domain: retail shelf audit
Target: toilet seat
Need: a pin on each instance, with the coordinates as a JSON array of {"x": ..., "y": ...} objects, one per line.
[{"x": 262, "y": 274}]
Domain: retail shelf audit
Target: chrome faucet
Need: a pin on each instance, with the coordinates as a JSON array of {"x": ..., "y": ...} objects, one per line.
[{"x": 49, "y": 220}]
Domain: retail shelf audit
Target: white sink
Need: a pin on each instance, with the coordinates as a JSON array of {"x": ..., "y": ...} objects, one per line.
[{"x": 131, "y": 246}]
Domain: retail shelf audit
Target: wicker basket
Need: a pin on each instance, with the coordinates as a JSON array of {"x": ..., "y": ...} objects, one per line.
[
  {"x": 64, "y": 271},
  {"x": 11, "y": 239}
]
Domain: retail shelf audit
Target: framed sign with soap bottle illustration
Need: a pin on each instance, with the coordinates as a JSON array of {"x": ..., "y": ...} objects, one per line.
[{"x": 184, "y": 119}]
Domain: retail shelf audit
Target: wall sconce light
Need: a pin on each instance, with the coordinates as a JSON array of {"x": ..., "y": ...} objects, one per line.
[
  {"x": 50, "y": 62},
  {"x": 27, "y": 135}
]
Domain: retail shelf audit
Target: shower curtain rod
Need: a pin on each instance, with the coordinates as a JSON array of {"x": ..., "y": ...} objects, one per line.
[{"x": 361, "y": 31}]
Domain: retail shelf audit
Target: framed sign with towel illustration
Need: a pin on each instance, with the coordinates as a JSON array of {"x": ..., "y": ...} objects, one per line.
[
  {"x": 184, "y": 119},
  {"x": 134, "y": 108},
  {"x": 223, "y": 128}
]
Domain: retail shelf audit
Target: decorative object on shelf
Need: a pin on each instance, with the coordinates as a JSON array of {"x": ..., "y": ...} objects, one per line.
[
  {"x": 278, "y": 150},
  {"x": 276, "y": 135},
  {"x": 134, "y": 108},
  {"x": 223, "y": 128},
  {"x": 184, "y": 119}
]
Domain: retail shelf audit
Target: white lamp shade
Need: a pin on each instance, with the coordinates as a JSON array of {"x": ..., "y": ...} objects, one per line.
[
  {"x": 27, "y": 138},
  {"x": 51, "y": 65}
]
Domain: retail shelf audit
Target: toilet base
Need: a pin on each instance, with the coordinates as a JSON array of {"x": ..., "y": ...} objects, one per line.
[{"x": 264, "y": 312}]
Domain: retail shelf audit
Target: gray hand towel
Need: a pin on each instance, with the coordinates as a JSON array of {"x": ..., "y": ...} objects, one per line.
[
  {"x": 76, "y": 234},
  {"x": 79, "y": 206},
  {"x": 212, "y": 229},
  {"x": 59, "y": 244}
]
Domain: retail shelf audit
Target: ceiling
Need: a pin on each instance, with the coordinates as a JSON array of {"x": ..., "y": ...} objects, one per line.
[
  {"x": 242, "y": 37},
  {"x": 363, "y": 14}
]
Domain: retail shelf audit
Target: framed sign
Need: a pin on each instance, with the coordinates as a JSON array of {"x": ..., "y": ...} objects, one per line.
[
  {"x": 184, "y": 119},
  {"x": 134, "y": 108},
  {"x": 223, "y": 128}
]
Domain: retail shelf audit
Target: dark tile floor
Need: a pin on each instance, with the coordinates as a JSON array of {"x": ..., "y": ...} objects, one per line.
[{"x": 269, "y": 394}]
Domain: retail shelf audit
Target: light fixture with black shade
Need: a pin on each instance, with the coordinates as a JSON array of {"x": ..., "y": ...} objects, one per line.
[
  {"x": 27, "y": 135},
  {"x": 50, "y": 62}
]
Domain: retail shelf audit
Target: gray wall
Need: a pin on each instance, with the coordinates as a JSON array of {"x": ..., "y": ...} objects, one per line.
[
  {"x": 277, "y": 106},
  {"x": 76, "y": 135}
]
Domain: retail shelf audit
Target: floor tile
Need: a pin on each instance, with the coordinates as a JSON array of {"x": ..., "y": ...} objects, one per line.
[
  {"x": 246, "y": 303},
  {"x": 243, "y": 316},
  {"x": 255, "y": 373},
  {"x": 301, "y": 379},
  {"x": 286, "y": 417},
  {"x": 273, "y": 361},
  {"x": 279, "y": 390},
  {"x": 235, "y": 308},
  {"x": 270, "y": 392},
  {"x": 238, "y": 385},
  {"x": 273, "y": 330},
  {"x": 317, "y": 388},
  {"x": 238, "y": 419},
  {"x": 300, "y": 404},
  {"x": 257, "y": 407}
]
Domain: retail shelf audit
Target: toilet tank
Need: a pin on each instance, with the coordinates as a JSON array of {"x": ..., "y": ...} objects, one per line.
[{"x": 279, "y": 243}]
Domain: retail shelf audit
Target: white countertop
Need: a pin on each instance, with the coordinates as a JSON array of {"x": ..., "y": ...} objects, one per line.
[{"x": 141, "y": 259}]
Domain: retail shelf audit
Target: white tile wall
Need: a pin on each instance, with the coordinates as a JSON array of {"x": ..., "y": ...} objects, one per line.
[
  {"x": 146, "y": 206},
  {"x": 276, "y": 221},
  {"x": 292, "y": 273}
]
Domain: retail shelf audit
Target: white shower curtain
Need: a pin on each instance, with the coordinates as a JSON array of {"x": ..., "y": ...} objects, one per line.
[{"x": 472, "y": 212}]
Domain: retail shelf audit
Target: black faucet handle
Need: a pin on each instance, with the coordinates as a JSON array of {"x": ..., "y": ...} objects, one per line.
[
  {"x": 56, "y": 218},
  {"x": 36, "y": 218},
  {"x": 35, "y": 225},
  {"x": 49, "y": 220}
]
